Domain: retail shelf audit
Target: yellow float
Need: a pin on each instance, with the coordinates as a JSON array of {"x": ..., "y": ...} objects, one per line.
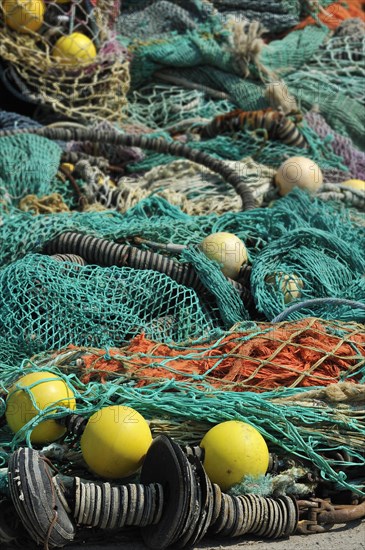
[
  {"x": 298, "y": 172},
  {"x": 232, "y": 451},
  {"x": 74, "y": 49},
  {"x": 33, "y": 393},
  {"x": 228, "y": 250},
  {"x": 115, "y": 442},
  {"x": 23, "y": 15}
]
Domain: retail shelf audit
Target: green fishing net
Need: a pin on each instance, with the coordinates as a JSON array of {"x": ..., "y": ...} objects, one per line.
[
  {"x": 319, "y": 68},
  {"x": 302, "y": 254},
  {"x": 28, "y": 165},
  {"x": 287, "y": 422},
  {"x": 48, "y": 304},
  {"x": 294, "y": 235}
]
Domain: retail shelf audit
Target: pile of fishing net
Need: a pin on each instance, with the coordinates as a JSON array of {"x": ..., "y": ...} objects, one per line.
[
  {"x": 319, "y": 428},
  {"x": 232, "y": 61},
  {"x": 102, "y": 277},
  {"x": 261, "y": 357},
  {"x": 64, "y": 58}
]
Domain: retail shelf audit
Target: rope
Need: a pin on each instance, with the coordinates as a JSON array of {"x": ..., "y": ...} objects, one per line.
[
  {"x": 155, "y": 144},
  {"x": 329, "y": 301}
]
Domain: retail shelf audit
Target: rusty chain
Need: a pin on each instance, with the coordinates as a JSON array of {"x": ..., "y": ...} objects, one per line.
[{"x": 318, "y": 516}]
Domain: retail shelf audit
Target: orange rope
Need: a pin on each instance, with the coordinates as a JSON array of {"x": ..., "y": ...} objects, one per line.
[
  {"x": 336, "y": 13},
  {"x": 291, "y": 354}
]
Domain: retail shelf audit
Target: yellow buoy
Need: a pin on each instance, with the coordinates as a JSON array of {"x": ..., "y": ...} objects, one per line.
[
  {"x": 355, "y": 184},
  {"x": 115, "y": 442},
  {"x": 23, "y": 15},
  {"x": 68, "y": 167},
  {"x": 46, "y": 389},
  {"x": 74, "y": 49},
  {"x": 290, "y": 285},
  {"x": 234, "y": 450},
  {"x": 228, "y": 250},
  {"x": 299, "y": 172}
]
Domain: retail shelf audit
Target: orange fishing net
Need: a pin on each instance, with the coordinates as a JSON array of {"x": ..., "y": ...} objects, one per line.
[
  {"x": 334, "y": 14},
  {"x": 309, "y": 352}
]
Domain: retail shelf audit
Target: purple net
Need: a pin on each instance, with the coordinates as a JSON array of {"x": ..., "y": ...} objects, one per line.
[{"x": 353, "y": 158}]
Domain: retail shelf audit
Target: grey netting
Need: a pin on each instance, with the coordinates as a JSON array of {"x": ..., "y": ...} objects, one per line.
[
  {"x": 275, "y": 15},
  {"x": 9, "y": 120}
]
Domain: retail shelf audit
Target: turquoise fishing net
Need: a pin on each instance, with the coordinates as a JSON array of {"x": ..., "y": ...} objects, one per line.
[
  {"x": 254, "y": 144},
  {"x": 164, "y": 106},
  {"x": 319, "y": 68},
  {"x": 295, "y": 49},
  {"x": 28, "y": 165},
  {"x": 333, "y": 80},
  {"x": 291, "y": 427},
  {"x": 294, "y": 235},
  {"x": 48, "y": 304},
  {"x": 324, "y": 263}
]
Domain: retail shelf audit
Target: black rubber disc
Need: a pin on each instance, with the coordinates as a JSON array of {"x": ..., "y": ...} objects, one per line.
[
  {"x": 165, "y": 463},
  {"x": 293, "y": 515},
  {"x": 36, "y": 500},
  {"x": 206, "y": 502}
]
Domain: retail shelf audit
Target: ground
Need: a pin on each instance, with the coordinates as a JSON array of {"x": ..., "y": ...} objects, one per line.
[{"x": 351, "y": 537}]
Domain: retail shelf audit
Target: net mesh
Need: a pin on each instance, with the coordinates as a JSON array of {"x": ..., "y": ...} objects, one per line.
[
  {"x": 110, "y": 305},
  {"x": 300, "y": 423},
  {"x": 65, "y": 56},
  {"x": 189, "y": 359},
  {"x": 322, "y": 235},
  {"x": 20, "y": 163},
  {"x": 309, "y": 60},
  {"x": 258, "y": 358}
]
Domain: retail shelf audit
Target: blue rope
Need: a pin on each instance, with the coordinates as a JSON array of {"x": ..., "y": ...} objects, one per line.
[{"x": 317, "y": 301}]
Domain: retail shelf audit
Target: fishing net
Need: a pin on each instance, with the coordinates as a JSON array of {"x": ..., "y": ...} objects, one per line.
[
  {"x": 332, "y": 14},
  {"x": 163, "y": 107},
  {"x": 205, "y": 55},
  {"x": 318, "y": 83},
  {"x": 28, "y": 165},
  {"x": 353, "y": 157},
  {"x": 64, "y": 56},
  {"x": 275, "y": 15},
  {"x": 109, "y": 305},
  {"x": 282, "y": 348},
  {"x": 259, "y": 358},
  {"x": 13, "y": 120},
  {"x": 322, "y": 237},
  {"x": 196, "y": 190},
  {"x": 253, "y": 144},
  {"x": 299, "y": 422}
]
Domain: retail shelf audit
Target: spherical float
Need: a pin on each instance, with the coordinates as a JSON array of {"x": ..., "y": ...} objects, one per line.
[
  {"x": 289, "y": 284},
  {"x": 298, "y": 172},
  {"x": 46, "y": 389},
  {"x": 74, "y": 49},
  {"x": 228, "y": 250},
  {"x": 233, "y": 450},
  {"x": 115, "y": 442},
  {"x": 23, "y": 15},
  {"x": 359, "y": 185},
  {"x": 68, "y": 167}
]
